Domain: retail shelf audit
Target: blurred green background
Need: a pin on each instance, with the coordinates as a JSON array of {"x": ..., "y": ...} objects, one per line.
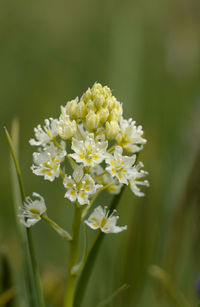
[{"x": 148, "y": 53}]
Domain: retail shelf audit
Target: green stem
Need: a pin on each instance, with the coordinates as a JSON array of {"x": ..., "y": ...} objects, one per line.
[
  {"x": 101, "y": 174},
  {"x": 35, "y": 269},
  {"x": 73, "y": 258},
  {"x": 111, "y": 148},
  {"x": 57, "y": 144}
]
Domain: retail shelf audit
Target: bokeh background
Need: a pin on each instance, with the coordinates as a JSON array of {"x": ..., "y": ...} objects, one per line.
[{"x": 148, "y": 53}]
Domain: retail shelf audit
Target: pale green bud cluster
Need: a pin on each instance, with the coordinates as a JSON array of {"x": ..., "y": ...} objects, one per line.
[{"x": 96, "y": 107}]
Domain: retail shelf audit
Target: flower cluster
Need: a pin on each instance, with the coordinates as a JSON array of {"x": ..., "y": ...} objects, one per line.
[{"x": 102, "y": 156}]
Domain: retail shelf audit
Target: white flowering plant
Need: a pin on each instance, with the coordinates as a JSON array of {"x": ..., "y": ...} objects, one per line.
[{"x": 103, "y": 155}]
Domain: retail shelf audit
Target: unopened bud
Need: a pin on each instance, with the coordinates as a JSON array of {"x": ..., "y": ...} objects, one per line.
[
  {"x": 103, "y": 115},
  {"x": 112, "y": 129},
  {"x": 92, "y": 121},
  {"x": 81, "y": 110},
  {"x": 66, "y": 128},
  {"x": 71, "y": 108}
]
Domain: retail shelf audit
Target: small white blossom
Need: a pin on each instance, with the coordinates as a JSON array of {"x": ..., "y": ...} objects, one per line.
[
  {"x": 135, "y": 177},
  {"x": 100, "y": 218},
  {"x": 66, "y": 127},
  {"x": 130, "y": 136},
  {"x": 120, "y": 166},
  {"x": 45, "y": 135},
  {"x": 32, "y": 210},
  {"x": 89, "y": 152},
  {"x": 80, "y": 187},
  {"x": 47, "y": 162}
]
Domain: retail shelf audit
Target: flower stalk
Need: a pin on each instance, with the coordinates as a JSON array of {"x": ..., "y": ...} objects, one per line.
[
  {"x": 73, "y": 258},
  {"x": 63, "y": 233}
]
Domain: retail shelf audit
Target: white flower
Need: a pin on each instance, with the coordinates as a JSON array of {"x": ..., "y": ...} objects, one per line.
[
  {"x": 47, "y": 162},
  {"x": 80, "y": 187},
  {"x": 44, "y": 136},
  {"x": 32, "y": 210},
  {"x": 89, "y": 152},
  {"x": 130, "y": 136},
  {"x": 114, "y": 186},
  {"x": 66, "y": 127},
  {"x": 101, "y": 219},
  {"x": 120, "y": 166},
  {"x": 135, "y": 177}
]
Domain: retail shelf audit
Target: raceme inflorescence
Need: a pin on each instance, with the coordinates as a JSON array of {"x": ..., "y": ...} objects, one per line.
[{"x": 102, "y": 155}]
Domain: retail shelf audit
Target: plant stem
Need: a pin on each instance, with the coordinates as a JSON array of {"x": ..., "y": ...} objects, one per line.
[{"x": 73, "y": 258}]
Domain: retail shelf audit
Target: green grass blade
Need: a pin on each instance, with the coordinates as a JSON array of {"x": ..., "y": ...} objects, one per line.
[
  {"x": 113, "y": 295},
  {"x": 175, "y": 297},
  {"x": 87, "y": 270},
  {"x": 32, "y": 276},
  {"x": 28, "y": 286}
]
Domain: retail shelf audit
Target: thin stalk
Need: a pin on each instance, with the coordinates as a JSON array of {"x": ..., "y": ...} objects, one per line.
[
  {"x": 101, "y": 174},
  {"x": 113, "y": 295},
  {"x": 111, "y": 148},
  {"x": 35, "y": 269},
  {"x": 63, "y": 233},
  {"x": 73, "y": 258},
  {"x": 57, "y": 144},
  {"x": 71, "y": 161}
]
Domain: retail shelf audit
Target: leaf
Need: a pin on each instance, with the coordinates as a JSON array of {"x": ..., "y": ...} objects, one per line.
[
  {"x": 31, "y": 271},
  {"x": 89, "y": 264}
]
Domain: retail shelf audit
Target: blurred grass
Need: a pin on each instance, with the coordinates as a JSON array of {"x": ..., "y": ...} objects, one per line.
[{"x": 148, "y": 52}]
